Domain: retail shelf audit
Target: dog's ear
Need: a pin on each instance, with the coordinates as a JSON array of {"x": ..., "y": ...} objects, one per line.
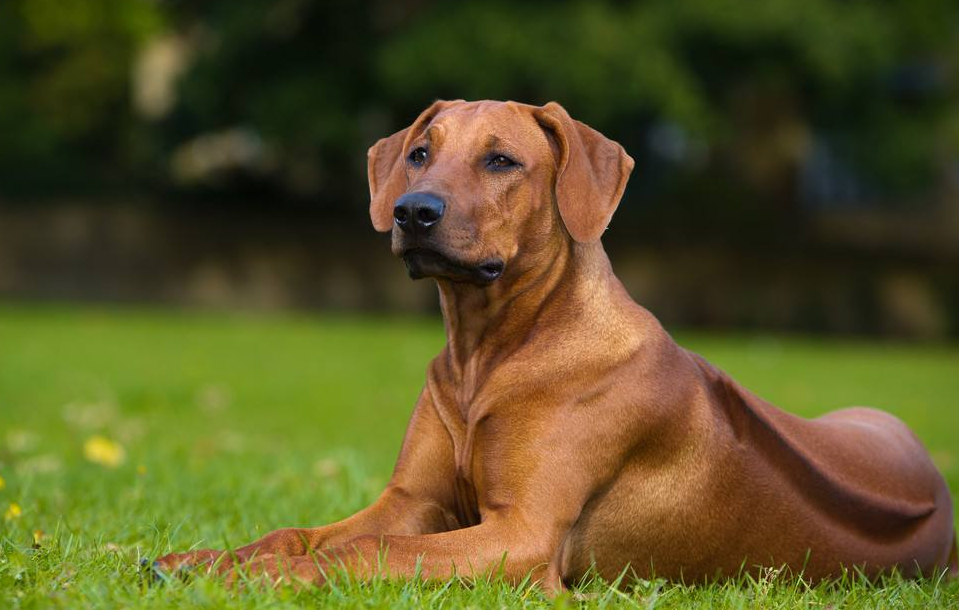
[
  {"x": 386, "y": 172},
  {"x": 591, "y": 173},
  {"x": 386, "y": 166}
]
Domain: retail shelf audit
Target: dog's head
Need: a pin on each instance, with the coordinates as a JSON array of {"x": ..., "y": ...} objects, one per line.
[{"x": 471, "y": 189}]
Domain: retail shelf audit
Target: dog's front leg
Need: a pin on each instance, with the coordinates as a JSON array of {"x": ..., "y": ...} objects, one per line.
[
  {"x": 509, "y": 546},
  {"x": 416, "y": 501},
  {"x": 394, "y": 511}
]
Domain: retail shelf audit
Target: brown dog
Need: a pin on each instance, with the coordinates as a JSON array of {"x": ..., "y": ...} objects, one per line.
[{"x": 561, "y": 427}]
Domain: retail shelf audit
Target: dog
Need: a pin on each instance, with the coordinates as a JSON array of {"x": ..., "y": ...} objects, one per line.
[{"x": 561, "y": 429}]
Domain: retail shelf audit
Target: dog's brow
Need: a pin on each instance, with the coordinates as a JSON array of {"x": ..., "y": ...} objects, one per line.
[
  {"x": 495, "y": 142},
  {"x": 434, "y": 135}
]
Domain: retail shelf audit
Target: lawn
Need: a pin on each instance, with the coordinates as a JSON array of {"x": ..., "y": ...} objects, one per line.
[{"x": 126, "y": 433}]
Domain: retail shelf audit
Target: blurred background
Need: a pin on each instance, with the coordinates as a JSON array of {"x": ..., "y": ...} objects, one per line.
[
  {"x": 797, "y": 160},
  {"x": 202, "y": 338}
]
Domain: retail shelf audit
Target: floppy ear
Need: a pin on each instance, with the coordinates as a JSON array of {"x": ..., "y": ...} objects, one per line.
[
  {"x": 386, "y": 166},
  {"x": 591, "y": 173}
]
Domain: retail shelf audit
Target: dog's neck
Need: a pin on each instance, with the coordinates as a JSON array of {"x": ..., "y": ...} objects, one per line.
[{"x": 486, "y": 324}]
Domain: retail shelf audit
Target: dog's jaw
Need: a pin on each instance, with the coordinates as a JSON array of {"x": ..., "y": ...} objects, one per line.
[{"x": 425, "y": 262}]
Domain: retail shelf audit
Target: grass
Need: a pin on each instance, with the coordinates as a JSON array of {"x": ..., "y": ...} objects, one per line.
[{"x": 129, "y": 433}]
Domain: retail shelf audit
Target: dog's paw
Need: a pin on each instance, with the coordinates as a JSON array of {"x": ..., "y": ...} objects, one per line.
[
  {"x": 150, "y": 571},
  {"x": 181, "y": 566}
]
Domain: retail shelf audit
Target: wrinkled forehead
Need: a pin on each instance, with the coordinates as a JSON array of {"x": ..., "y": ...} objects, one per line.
[{"x": 506, "y": 125}]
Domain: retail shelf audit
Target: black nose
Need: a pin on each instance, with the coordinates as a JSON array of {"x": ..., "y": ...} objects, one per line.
[{"x": 418, "y": 211}]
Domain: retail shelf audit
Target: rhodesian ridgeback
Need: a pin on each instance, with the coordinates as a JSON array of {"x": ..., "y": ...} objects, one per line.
[{"x": 561, "y": 428}]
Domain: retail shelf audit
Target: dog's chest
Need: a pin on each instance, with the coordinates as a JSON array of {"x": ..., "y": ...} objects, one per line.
[
  {"x": 463, "y": 437},
  {"x": 467, "y": 409},
  {"x": 464, "y": 485},
  {"x": 467, "y": 506}
]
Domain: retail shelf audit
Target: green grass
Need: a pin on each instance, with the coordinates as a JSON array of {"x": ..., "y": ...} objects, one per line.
[{"x": 235, "y": 425}]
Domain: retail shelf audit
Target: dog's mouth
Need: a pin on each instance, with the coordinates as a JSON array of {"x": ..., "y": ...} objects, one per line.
[{"x": 421, "y": 262}]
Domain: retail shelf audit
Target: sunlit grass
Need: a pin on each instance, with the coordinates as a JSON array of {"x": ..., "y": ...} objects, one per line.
[{"x": 128, "y": 433}]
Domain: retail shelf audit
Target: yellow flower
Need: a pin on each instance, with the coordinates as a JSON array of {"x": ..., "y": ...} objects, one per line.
[
  {"x": 2, "y": 483},
  {"x": 13, "y": 512},
  {"x": 38, "y": 537},
  {"x": 103, "y": 451},
  {"x": 141, "y": 470}
]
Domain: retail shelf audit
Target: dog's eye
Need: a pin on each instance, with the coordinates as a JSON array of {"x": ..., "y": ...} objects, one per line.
[
  {"x": 500, "y": 162},
  {"x": 418, "y": 156}
]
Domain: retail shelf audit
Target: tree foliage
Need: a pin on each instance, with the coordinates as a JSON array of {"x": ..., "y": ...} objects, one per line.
[{"x": 747, "y": 92}]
